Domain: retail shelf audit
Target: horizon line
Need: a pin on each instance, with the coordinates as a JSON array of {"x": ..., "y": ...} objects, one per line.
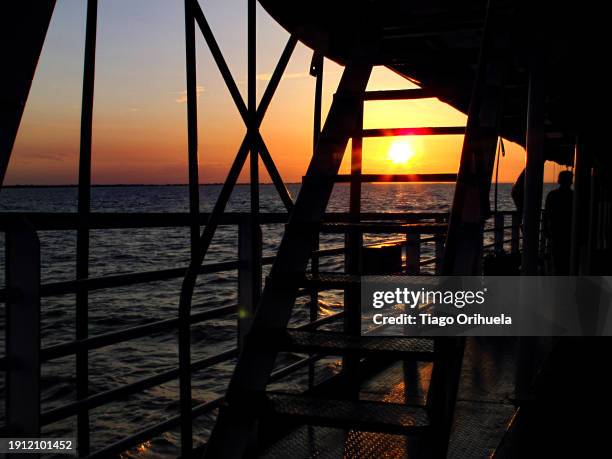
[{"x": 100, "y": 185}]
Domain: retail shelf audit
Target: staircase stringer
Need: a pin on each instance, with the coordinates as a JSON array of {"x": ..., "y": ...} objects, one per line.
[{"x": 470, "y": 208}]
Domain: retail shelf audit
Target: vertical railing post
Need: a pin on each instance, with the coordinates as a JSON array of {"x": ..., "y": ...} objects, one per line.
[
  {"x": 194, "y": 214},
  {"x": 249, "y": 268},
  {"x": 498, "y": 232},
  {"x": 354, "y": 237},
  {"x": 439, "y": 249},
  {"x": 255, "y": 231},
  {"x": 413, "y": 253},
  {"x": 516, "y": 233},
  {"x": 543, "y": 241},
  {"x": 314, "y": 301},
  {"x": 580, "y": 211},
  {"x": 84, "y": 207},
  {"x": 22, "y": 331},
  {"x": 192, "y": 127},
  {"x": 316, "y": 70},
  {"x": 353, "y": 254}
]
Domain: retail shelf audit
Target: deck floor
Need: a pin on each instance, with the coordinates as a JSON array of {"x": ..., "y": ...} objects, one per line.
[{"x": 483, "y": 413}]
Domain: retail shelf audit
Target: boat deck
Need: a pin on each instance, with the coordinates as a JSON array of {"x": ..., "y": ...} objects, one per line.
[{"x": 483, "y": 414}]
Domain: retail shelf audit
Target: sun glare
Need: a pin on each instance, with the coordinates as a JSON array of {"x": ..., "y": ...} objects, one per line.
[{"x": 400, "y": 152}]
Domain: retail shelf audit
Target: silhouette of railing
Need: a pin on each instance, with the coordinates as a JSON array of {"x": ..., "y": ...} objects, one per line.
[{"x": 23, "y": 292}]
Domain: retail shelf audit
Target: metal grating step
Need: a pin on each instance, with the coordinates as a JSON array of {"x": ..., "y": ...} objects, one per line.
[
  {"x": 396, "y": 178},
  {"x": 359, "y": 415},
  {"x": 406, "y": 94},
  {"x": 416, "y": 131},
  {"x": 385, "y": 228},
  {"x": 331, "y": 343},
  {"x": 330, "y": 280},
  {"x": 318, "y": 281},
  {"x": 336, "y": 281}
]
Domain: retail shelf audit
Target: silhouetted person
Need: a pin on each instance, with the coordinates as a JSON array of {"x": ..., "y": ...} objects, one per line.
[
  {"x": 558, "y": 223},
  {"x": 518, "y": 193}
]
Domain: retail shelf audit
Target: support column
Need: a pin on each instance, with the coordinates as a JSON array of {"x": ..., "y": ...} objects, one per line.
[
  {"x": 534, "y": 173},
  {"x": 194, "y": 214},
  {"x": 84, "y": 207},
  {"x": 580, "y": 211},
  {"x": 354, "y": 237},
  {"x": 532, "y": 206},
  {"x": 353, "y": 244},
  {"x": 471, "y": 207},
  {"x": 255, "y": 247},
  {"x": 22, "y": 332},
  {"x": 192, "y": 127},
  {"x": 413, "y": 254}
]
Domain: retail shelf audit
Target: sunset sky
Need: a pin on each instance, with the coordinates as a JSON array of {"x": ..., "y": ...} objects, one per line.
[{"x": 140, "y": 111}]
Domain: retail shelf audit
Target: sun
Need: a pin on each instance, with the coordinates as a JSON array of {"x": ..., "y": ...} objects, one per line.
[{"x": 400, "y": 152}]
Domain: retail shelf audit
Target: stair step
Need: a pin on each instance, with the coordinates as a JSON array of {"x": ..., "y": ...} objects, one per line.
[
  {"x": 360, "y": 415},
  {"x": 396, "y": 178},
  {"x": 331, "y": 343},
  {"x": 405, "y": 94},
  {"x": 385, "y": 227},
  {"x": 319, "y": 281},
  {"x": 330, "y": 280},
  {"x": 399, "y": 132},
  {"x": 327, "y": 280}
]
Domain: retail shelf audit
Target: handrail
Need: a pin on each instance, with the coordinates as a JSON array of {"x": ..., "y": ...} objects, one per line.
[
  {"x": 125, "y": 334},
  {"x": 57, "y": 221},
  {"x": 96, "y": 400},
  {"x": 68, "y": 221},
  {"x": 146, "y": 434},
  {"x": 120, "y": 280}
]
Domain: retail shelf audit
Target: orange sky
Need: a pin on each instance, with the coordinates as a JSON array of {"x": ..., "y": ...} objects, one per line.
[{"x": 139, "y": 115}]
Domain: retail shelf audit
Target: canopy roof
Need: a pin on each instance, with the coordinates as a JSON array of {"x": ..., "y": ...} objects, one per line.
[{"x": 436, "y": 44}]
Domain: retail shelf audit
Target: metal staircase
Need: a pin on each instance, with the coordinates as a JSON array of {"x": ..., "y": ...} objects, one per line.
[{"x": 247, "y": 400}]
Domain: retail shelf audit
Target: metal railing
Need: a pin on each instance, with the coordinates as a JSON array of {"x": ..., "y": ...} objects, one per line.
[
  {"x": 500, "y": 230},
  {"x": 25, "y": 355}
]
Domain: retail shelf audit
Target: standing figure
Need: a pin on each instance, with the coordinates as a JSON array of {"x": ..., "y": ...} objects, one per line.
[{"x": 558, "y": 223}]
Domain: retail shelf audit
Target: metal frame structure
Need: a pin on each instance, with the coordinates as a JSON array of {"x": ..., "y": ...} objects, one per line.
[
  {"x": 460, "y": 249},
  {"x": 23, "y": 252}
]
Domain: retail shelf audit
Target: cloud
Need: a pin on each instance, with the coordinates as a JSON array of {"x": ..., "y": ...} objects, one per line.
[
  {"x": 182, "y": 95},
  {"x": 29, "y": 156}
]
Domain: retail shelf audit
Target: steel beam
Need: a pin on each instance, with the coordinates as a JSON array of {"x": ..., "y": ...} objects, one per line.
[
  {"x": 192, "y": 126},
  {"x": 420, "y": 131},
  {"x": 23, "y": 28},
  {"x": 463, "y": 250},
  {"x": 405, "y": 94},
  {"x": 534, "y": 173},
  {"x": 580, "y": 211},
  {"x": 84, "y": 207}
]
